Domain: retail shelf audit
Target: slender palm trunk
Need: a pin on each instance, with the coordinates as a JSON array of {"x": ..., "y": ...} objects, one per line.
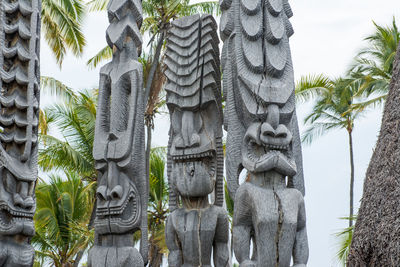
[
  {"x": 148, "y": 149},
  {"x": 351, "y": 179},
  {"x": 155, "y": 256},
  {"x": 149, "y": 82},
  {"x": 78, "y": 258},
  {"x": 154, "y": 65}
]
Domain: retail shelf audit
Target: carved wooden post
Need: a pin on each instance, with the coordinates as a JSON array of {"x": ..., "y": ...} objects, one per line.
[
  {"x": 195, "y": 229},
  {"x": 19, "y": 116},
  {"x": 122, "y": 192},
  {"x": 263, "y": 134}
]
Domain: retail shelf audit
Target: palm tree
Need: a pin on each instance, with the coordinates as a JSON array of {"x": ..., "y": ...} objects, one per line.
[
  {"x": 61, "y": 219},
  {"x": 62, "y": 26},
  {"x": 333, "y": 109},
  {"x": 373, "y": 65},
  {"x": 158, "y": 206},
  {"x": 75, "y": 121}
]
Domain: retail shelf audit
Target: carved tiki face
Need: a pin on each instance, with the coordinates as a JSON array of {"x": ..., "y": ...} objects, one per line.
[
  {"x": 267, "y": 143},
  {"x": 118, "y": 151},
  {"x": 259, "y": 86},
  {"x": 17, "y": 204},
  {"x": 194, "y": 101},
  {"x": 193, "y": 150}
]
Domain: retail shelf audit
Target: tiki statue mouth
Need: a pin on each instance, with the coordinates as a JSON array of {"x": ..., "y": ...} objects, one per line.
[
  {"x": 266, "y": 148},
  {"x": 17, "y": 205},
  {"x": 195, "y": 175},
  {"x": 118, "y": 203},
  {"x": 15, "y": 221}
]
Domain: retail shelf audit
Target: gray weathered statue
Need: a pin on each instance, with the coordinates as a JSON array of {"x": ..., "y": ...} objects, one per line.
[
  {"x": 196, "y": 228},
  {"x": 19, "y": 116},
  {"x": 263, "y": 134},
  {"x": 122, "y": 191}
]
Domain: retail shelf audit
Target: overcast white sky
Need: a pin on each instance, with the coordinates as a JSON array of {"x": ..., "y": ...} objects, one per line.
[{"x": 328, "y": 33}]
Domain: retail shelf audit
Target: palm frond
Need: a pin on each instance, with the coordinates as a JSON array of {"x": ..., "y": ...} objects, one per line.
[
  {"x": 97, "y": 5},
  {"x": 54, "y": 87},
  {"x": 312, "y": 86},
  {"x": 318, "y": 129},
  {"x": 63, "y": 20},
  {"x": 102, "y": 55}
]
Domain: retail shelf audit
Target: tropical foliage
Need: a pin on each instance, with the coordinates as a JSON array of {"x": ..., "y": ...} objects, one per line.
[
  {"x": 74, "y": 121},
  {"x": 61, "y": 219},
  {"x": 344, "y": 241},
  {"x": 339, "y": 102},
  {"x": 62, "y": 26},
  {"x": 331, "y": 110},
  {"x": 373, "y": 66}
]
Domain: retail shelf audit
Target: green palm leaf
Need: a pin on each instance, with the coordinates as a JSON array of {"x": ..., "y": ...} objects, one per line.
[{"x": 62, "y": 26}]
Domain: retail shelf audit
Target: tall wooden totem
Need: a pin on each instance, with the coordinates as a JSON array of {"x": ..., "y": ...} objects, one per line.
[
  {"x": 122, "y": 192},
  {"x": 263, "y": 135},
  {"x": 19, "y": 116},
  {"x": 196, "y": 229}
]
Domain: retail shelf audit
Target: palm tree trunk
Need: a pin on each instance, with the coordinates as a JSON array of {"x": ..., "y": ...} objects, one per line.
[
  {"x": 351, "y": 179},
  {"x": 148, "y": 149},
  {"x": 155, "y": 254},
  {"x": 78, "y": 258},
  {"x": 154, "y": 65}
]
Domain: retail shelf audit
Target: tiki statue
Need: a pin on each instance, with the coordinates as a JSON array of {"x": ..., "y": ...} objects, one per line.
[
  {"x": 263, "y": 136},
  {"x": 19, "y": 116},
  {"x": 122, "y": 190},
  {"x": 196, "y": 228}
]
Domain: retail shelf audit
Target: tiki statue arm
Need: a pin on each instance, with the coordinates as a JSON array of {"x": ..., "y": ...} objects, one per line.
[
  {"x": 171, "y": 238},
  {"x": 300, "y": 250},
  {"x": 242, "y": 224},
  {"x": 221, "y": 251}
]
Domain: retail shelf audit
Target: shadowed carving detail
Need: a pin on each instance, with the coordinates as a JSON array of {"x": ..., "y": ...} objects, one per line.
[
  {"x": 195, "y": 229},
  {"x": 19, "y": 116},
  {"x": 263, "y": 136},
  {"x": 122, "y": 192}
]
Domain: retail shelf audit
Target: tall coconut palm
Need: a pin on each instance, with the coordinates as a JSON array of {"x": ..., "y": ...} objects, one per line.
[
  {"x": 61, "y": 219},
  {"x": 62, "y": 26},
  {"x": 332, "y": 109}
]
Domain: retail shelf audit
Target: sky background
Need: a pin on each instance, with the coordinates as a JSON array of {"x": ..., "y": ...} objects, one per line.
[{"x": 328, "y": 34}]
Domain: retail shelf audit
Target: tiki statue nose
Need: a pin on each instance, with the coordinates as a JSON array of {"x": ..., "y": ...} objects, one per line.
[{"x": 22, "y": 198}]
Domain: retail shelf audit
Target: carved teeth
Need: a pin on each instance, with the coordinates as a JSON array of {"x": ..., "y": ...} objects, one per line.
[{"x": 194, "y": 156}]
